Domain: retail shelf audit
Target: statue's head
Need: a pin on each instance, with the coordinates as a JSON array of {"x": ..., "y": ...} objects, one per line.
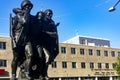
[
  {"x": 40, "y": 15},
  {"x": 49, "y": 13},
  {"x": 26, "y": 5}
]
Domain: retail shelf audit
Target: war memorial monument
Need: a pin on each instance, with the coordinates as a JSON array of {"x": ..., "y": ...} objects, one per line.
[{"x": 34, "y": 41}]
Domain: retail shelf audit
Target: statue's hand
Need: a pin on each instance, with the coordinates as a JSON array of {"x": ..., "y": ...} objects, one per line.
[{"x": 57, "y": 24}]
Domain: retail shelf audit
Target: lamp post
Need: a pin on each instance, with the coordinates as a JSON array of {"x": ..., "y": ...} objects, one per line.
[{"x": 113, "y": 7}]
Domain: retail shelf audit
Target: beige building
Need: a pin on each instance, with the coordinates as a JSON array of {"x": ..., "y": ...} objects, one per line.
[
  {"x": 5, "y": 57},
  {"x": 74, "y": 61}
]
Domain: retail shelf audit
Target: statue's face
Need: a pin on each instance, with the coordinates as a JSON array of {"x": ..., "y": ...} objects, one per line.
[
  {"x": 40, "y": 15},
  {"x": 49, "y": 15},
  {"x": 27, "y": 7}
]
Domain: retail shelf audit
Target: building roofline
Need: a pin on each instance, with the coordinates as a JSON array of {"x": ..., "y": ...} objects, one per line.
[
  {"x": 93, "y": 37},
  {"x": 86, "y": 37},
  {"x": 4, "y": 35}
]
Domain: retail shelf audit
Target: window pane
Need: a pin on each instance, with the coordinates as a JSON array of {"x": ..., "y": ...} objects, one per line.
[
  {"x": 3, "y": 63},
  {"x": 2, "y": 45},
  {"x": 72, "y": 50},
  {"x": 92, "y": 65},
  {"x": 118, "y": 53},
  {"x": 73, "y": 64},
  {"x": 83, "y": 41},
  {"x": 113, "y": 53},
  {"x": 113, "y": 65},
  {"x": 54, "y": 65},
  {"x": 90, "y": 52},
  {"x": 83, "y": 65},
  {"x": 106, "y": 65},
  {"x": 82, "y": 51},
  {"x": 64, "y": 64},
  {"x": 105, "y": 53},
  {"x": 99, "y": 66},
  {"x": 63, "y": 49},
  {"x": 98, "y": 52}
]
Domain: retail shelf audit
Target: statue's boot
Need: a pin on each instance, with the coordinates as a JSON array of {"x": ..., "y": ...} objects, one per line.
[
  {"x": 28, "y": 76},
  {"x": 46, "y": 78},
  {"x": 13, "y": 77}
]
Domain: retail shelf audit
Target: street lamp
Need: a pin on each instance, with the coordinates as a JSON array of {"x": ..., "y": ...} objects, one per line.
[{"x": 113, "y": 7}]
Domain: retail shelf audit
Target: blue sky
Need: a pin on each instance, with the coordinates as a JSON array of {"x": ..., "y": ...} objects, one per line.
[{"x": 88, "y": 18}]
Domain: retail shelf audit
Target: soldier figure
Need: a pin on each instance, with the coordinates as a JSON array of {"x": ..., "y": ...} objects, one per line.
[
  {"x": 19, "y": 34},
  {"x": 18, "y": 50},
  {"x": 48, "y": 47},
  {"x": 50, "y": 34}
]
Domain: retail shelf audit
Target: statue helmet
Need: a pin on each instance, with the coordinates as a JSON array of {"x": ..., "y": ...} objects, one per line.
[
  {"x": 48, "y": 10},
  {"x": 40, "y": 15},
  {"x": 25, "y": 3}
]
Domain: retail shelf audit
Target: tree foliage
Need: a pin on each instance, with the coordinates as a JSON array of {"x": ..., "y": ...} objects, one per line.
[{"x": 117, "y": 66}]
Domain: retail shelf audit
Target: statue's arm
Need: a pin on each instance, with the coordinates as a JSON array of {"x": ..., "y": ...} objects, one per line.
[
  {"x": 57, "y": 24},
  {"x": 23, "y": 17}
]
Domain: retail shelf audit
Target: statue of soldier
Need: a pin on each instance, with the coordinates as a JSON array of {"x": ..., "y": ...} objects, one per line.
[
  {"x": 49, "y": 31},
  {"x": 48, "y": 47},
  {"x": 19, "y": 34},
  {"x": 18, "y": 50},
  {"x": 26, "y": 6}
]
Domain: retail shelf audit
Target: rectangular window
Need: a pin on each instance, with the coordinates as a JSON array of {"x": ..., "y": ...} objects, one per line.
[
  {"x": 98, "y": 52},
  {"x": 106, "y": 53},
  {"x": 74, "y": 65},
  {"x": 54, "y": 65},
  {"x": 90, "y": 52},
  {"x": 99, "y": 65},
  {"x": 2, "y": 45},
  {"x": 83, "y": 65},
  {"x": 64, "y": 64},
  {"x": 119, "y": 54},
  {"x": 63, "y": 50},
  {"x": 107, "y": 65},
  {"x": 82, "y": 51},
  {"x": 113, "y": 65},
  {"x": 113, "y": 53},
  {"x": 72, "y": 50},
  {"x": 83, "y": 41},
  {"x": 3, "y": 63},
  {"x": 91, "y": 65}
]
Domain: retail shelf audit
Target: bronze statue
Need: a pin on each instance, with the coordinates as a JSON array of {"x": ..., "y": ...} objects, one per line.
[{"x": 34, "y": 42}]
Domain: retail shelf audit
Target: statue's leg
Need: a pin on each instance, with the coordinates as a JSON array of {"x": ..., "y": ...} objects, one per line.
[
  {"x": 39, "y": 50},
  {"x": 45, "y": 63},
  {"x": 28, "y": 62},
  {"x": 18, "y": 58},
  {"x": 45, "y": 70},
  {"x": 41, "y": 60},
  {"x": 21, "y": 75},
  {"x": 14, "y": 64},
  {"x": 47, "y": 55}
]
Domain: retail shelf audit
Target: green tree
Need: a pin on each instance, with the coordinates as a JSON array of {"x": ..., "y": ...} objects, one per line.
[{"x": 117, "y": 66}]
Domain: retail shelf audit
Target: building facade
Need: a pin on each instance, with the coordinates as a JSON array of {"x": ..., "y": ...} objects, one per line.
[
  {"x": 74, "y": 62},
  {"x": 5, "y": 57}
]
